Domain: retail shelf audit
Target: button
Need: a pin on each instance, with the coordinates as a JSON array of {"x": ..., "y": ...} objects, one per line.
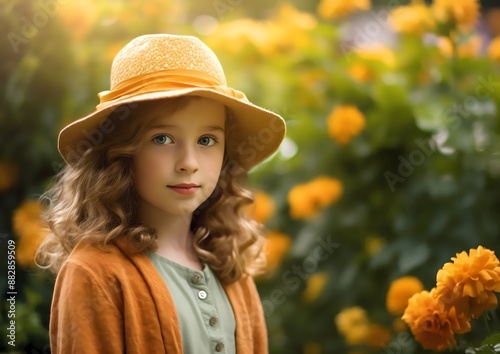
[
  {"x": 219, "y": 347},
  {"x": 202, "y": 295},
  {"x": 196, "y": 278},
  {"x": 213, "y": 321}
]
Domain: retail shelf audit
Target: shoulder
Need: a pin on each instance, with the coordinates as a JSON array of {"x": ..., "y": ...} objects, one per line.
[{"x": 99, "y": 264}]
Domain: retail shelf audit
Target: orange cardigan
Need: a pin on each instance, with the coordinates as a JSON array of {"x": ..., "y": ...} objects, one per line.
[{"x": 117, "y": 302}]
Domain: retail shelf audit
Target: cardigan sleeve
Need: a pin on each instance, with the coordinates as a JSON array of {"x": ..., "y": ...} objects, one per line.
[{"x": 85, "y": 314}]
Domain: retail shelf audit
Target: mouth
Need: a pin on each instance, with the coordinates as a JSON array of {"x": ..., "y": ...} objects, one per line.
[{"x": 184, "y": 188}]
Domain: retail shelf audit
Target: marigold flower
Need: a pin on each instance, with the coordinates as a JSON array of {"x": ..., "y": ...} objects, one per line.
[
  {"x": 466, "y": 49},
  {"x": 400, "y": 291},
  {"x": 433, "y": 326},
  {"x": 350, "y": 317},
  {"x": 277, "y": 245},
  {"x": 411, "y": 19},
  {"x": 344, "y": 123},
  {"x": 27, "y": 225},
  {"x": 263, "y": 207},
  {"x": 463, "y": 13},
  {"x": 469, "y": 281},
  {"x": 78, "y": 16},
  {"x": 8, "y": 175},
  {"x": 378, "y": 336},
  {"x": 361, "y": 72},
  {"x": 307, "y": 199},
  {"x": 334, "y": 9},
  {"x": 377, "y": 53},
  {"x": 494, "y": 49},
  {"x": 315, "y": 286}
]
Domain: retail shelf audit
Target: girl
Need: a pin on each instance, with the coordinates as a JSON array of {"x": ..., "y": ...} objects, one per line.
[{"x": 149, "y": 239}]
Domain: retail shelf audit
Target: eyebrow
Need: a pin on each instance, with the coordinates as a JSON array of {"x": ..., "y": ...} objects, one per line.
[{"x": 170, "y": 126}]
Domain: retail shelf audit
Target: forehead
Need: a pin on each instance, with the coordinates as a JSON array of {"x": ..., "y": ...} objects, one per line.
[{"x": 194, "y": 112}]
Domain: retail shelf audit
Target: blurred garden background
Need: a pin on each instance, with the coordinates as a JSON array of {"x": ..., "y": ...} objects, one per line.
[{"x": 391, "y": 165}]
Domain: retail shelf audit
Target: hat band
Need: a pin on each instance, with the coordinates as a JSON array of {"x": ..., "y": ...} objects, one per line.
[{"x": 166, "y": 80}]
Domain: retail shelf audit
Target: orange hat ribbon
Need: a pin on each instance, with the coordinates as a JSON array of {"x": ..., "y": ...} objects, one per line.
[{"x": 166, "y": 80}]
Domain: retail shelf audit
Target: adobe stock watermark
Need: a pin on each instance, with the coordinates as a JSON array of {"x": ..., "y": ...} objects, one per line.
[
  {"x": 31, "y": 26},
  {"x": 222, "y": 7},
  {"x": 296, "y": 274},
  {"x": 452, "y": 118},
  {"x": 362, "y": 35}
]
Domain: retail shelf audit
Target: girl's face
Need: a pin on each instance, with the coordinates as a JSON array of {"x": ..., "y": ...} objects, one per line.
[{"x": 180, "y": 159}]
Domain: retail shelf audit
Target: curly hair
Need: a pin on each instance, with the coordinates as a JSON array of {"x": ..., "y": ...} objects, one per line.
[{"x": 94, "y": 199}]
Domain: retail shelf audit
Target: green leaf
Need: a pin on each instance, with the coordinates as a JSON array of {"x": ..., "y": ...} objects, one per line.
[{"x": 494, "y": 339}]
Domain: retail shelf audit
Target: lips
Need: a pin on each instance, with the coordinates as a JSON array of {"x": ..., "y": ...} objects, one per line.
[{"x": 184, "y": 188}]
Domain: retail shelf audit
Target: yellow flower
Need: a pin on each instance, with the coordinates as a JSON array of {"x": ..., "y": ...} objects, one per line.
[
  {"x": 78, "y": 16},
  {"x": 469, "y": 281},
  {"x": 494, "y": 49},
  {"x": 263, "y": 207},
  {"x": 8, "y": 175},
  {"x": 27, "y": 225},
  {"x": 361, "y": 72},
  {"x": 400, "y": 291},
  {"x": 350, "y": 317},
  {"x": 373, "y": 244},
  {"x": 466, "y": 49},
  {"x": 277, "y": 245},
  {"x": 377, "y": 53},
  {"x": 378, "y": 336},
  {"x": 433, "y": 326},
  {"x": 463, "y": 13},
  {"x": 306, "y": 200},
  {"x": 411, "y": 19},
  {"x": 333, "y": 9},
  {"x": 353, "y": 324},
  {"x": 314, "y": 287},
  {"x": 288, "y": 30},
  {"x": 344, "y": 123}
]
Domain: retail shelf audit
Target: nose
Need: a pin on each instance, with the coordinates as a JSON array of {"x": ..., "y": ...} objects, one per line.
[{"x": 187, "y": 161}]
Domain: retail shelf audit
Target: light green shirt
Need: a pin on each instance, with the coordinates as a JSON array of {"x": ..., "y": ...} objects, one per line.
[{"x": 205, "y": 314}]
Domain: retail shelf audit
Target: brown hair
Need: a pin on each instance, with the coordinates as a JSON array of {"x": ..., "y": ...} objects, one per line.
[{"x": 95, "y": 199}]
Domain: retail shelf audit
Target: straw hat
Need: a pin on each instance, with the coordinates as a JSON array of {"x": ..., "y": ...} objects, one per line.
[{"x": 159, "y": 66}]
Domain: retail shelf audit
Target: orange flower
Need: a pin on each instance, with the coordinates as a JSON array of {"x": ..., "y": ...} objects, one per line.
[
  {"x": 263, "y": 207},
  {"x": 361, "y": 72},
  {"x": 315, "y": 286},
  {"x": 333, "y": 9},
  {"x": 433, "y": 326},
  {"x": 277, "y": 245},
  {"x": 307, "y": 199},
  {"x": 8, "y": 175},
  {"x": 79, "y": 17},
  {"x": 494, "y": 49},
  {"x": 30, "y": 232},
  {"x": 344, "y": 123},
  {"x": 350, "y": 317},
  {"x": 463, "y": 13},
  {"x": 469, "y": 281},
  {"x": 400, "y": 291},
  {"x": 378, "y": 336}
]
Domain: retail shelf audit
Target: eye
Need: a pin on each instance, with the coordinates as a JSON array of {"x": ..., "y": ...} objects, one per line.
[
  {"x": 207, "y": 140},
  {"x": 162, "y": 139}
]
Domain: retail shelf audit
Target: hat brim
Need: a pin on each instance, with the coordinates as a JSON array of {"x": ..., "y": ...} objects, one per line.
[{"x": 257, "y": 134}]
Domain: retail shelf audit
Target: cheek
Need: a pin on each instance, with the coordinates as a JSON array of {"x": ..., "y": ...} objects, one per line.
[{"x": 145, "y": 168}]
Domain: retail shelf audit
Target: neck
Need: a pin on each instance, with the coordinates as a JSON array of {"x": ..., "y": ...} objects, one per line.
[{"x": 174, "y": 235}]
